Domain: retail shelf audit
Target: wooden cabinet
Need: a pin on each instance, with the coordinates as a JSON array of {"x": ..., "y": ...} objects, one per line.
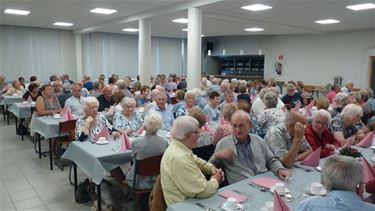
[{"x": 241, "y": 66}]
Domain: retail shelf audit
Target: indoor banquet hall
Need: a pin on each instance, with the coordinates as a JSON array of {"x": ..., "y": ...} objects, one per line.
[{"x": 187, "y": 105}]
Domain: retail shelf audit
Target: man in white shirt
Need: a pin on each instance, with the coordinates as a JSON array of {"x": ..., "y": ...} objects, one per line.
[{"x": 74, "y": 102}]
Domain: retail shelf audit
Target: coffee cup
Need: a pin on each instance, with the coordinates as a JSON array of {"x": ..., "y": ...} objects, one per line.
[
  {"x": 316, "y": 188},
  {"x": 280, "y": 187},
  {"x": 231, "y": 203},
  {"x": 24, "y": 102},
  {"x": 102, "y": 139},
  {"x": 269, "y": 205}
]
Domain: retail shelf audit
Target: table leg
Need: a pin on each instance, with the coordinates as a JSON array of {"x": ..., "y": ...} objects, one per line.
[
  {"x": 6, "y": 110},
  {"x": 50, "y": 154},
  {"x": 75, "y": 177},
  {"x": 16, "y": 120},
  {"x": 99, "y": 200},
  {"x": 39, "y": 147}
]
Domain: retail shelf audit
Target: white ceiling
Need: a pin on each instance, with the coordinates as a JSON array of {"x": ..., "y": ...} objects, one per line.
[{"x": 221, "y": 18}]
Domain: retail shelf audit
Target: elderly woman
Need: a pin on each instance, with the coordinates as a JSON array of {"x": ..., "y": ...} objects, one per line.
[
  {"x": 3, "y": 85},
  {"x": 337, "y": 105},
  {"x": 15, "y": 89},
  {"x": 128, "y": 121},
  {"x": 147, "y": 146},
  {"x": 189, "y": 103},
  {"x": 47, "y": 104},
  {"x": 211, "y": 108},
  {"x": 318, "y": 135},
  {"x": 225, "y": 128},
  {"x": 33, "y": 92},
  {"x": 341, "y": 176},
  {"x": 344, "y": 126},
  {"x": 272, "y": 115},
  {"x": 122, "y": 85},
  {"x": 142, "y": 98},
  {"x": 292, "y": 98}
]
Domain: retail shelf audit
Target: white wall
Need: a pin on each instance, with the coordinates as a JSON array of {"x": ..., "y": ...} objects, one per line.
[
  {"x": 43, "y": 52},
  {"x": 314, "y": 59}
]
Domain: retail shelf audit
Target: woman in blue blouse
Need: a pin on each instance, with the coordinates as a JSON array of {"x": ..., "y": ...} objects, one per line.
[{"x": 128, "y": 120}]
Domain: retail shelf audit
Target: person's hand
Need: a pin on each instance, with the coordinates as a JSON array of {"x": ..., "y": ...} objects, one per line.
[
  {"x": 283, "y": 174},
  {"x": 299, "y": 131},
  {"x": 225, "y": 154},
  {"x": 219, "y": 176},
  {"x": 214, "y": 170},
  {"x": 89, "y": 121},
  {"x": 116, "y": 134},
  {"x": 129, "y": 131},
  {"x": 330, "y": 147}
]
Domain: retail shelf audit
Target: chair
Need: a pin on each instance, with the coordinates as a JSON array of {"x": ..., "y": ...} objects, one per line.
[
  {"x": 146, "y": 167},
  {"x": 156, "y": 201},
  {"x": 67, "y": 131}
]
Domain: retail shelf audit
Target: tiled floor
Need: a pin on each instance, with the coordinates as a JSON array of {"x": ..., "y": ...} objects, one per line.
[{"x": 28, "y": 184}]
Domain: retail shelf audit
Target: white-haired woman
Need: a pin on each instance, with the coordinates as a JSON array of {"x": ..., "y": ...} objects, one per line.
[
  {"x": 147, "y": 146},
  {"x": 189, "y": 103},
  {"x": 337, "y": 108},
  {"x": 15, "y": 89},
  {"x": 345, "y": 124},
  {"x": 128, "y": 121},
  {"x": 318, "y": 135}
]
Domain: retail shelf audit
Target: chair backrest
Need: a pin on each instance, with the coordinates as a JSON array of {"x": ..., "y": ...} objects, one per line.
[
  {"x": 156, "y": 200},
  {"x": 148, "y": 166},
  {"x": 204, "y": 152},
  {"x": 67, "y": 126}
]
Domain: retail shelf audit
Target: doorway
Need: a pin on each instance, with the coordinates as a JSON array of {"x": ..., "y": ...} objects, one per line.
[{"x": 372, "y": 72}]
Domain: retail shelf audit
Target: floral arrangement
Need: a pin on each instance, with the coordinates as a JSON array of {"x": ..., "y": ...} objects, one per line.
[{"x": 348, "y": 151}]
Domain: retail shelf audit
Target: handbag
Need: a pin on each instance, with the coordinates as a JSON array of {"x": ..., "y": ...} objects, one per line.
[{"x": 82, "y": 194}]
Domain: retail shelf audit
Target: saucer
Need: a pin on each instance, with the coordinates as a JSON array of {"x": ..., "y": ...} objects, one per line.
[
  {"x": 102, "y": 142},
  {"x": 56, "y": 116},
  {"x": 321, "y": 193},
  {"x": 168, "y": 135},
  {"x": 239, "y": 207},
  {"x": 319, "y": 168},
  {"x": 286, "y": 190}
]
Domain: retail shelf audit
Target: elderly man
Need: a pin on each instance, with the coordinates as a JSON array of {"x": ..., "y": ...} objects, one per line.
[
  {"x": 182, "y": 172},
  {"x": 340, "y": 175},
  {"x": 105, "y": 99},
  {"x": 287, "y": 140},
  {"x": 75, "y": 101},
  {"x": 57, "y": 91},
  {"x": 161, "y": 108},
  {"x": 67, "y": 93},
  {"x": 244, "y": 155}
]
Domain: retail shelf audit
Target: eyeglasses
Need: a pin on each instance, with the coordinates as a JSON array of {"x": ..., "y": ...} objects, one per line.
[{"x": 325, "y": 124}]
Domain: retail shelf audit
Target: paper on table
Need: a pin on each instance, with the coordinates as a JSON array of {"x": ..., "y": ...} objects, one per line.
[
  {"x": 366, "y": 141},
  {"x": 368, "y": 171},
  {"x": 231, "y": 194},
  {"x": 313, "y": 158},
  {"x": 266, "y": 182},
  {"x": 279, "y": 204}
]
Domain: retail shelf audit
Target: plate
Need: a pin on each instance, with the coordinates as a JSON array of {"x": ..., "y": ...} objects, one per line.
[
  {"x": 56, "y": 116},
  {"x": 322, "y": 192},
  {"x": 319, "y": 168},
  {"x": 168, "y": 135},
  {"x": 239, "y": 207},
  {"x": 102, "y": 142},
  {"x": 272, "y": 189}
]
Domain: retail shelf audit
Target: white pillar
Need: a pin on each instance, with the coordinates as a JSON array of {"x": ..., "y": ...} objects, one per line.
[
  {"x": 79, "y": 67},
  {"x": 194, "y": 46},
  {"x": 144, "y": 51}
]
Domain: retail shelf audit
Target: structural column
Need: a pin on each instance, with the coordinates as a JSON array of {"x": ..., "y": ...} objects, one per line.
[
  {"x": 144, "y": 51},
  {"x": 79, "y": 67},
  {"x": 194, "y": 44}
]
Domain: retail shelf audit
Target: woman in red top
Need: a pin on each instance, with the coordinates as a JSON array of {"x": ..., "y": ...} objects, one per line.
[{"x": 318, "y": 135}]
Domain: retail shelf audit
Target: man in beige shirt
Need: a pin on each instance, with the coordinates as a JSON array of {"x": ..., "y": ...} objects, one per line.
[{"x": 182, "y": 172}]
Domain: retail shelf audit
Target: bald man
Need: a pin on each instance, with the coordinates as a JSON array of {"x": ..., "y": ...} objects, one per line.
[
  {"x": 105, "y": 99},
  {"x": 244, "y": 155},
  {"x": 287, "y": 140}
]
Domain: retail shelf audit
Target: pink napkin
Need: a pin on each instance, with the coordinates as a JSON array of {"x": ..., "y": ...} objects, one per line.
[
  {"x": 266, "y": 182},
  {"x": 307, "y": 112},
  {"x": 125, "y": 143},
  {"x": 297, "y": 107},
  {"x": 279, "y": 204},
  {"x": 313, "y": 158},
  {"x": 29, "y": 100},
  {"x": 310, "y": 105},
  {"x": 66, "y": 116},
  {"x": 207, "y": 128},
  {"x": 140, "y": 130},
  {"x": 368, "y": 171},
  {"x": 349, "y": 142},
  {"x": 366, "y": 141},
  {"x": 231, "y": 194},
  {"x": 102, "y": 133}
]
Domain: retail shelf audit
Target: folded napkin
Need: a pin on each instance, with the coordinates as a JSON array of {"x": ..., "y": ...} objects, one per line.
[
  {"x": 125, "y": 142},
  {"x": 67, "y": 116},
  {"x": 140, "y": 130},
  {"x": 368, "y": 171},
  {"x": 313, "y": 158},
  {"x": 297, "y": 107},
  {"x": 207, "y": 128},
  {"x": 366, "y": 141},
  {"x": 310, "y": 105},
  {"x": 308, "y": 112},
  {"x": 103, "y": 133},
  {"x": 279, "y": 204},
  {"x": 29, "y": 99},
  {"x": 266, "y": 182},
  {"x": 349, "y": 142},
  {"x": 231, "y": 194}
]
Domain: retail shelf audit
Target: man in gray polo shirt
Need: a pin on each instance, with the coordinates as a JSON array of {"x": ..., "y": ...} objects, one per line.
[
  {"x": 244, "y": 155},
  {"x": 287, "y": 140}
]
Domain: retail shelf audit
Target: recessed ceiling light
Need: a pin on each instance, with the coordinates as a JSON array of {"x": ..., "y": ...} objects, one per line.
[
  {"x": 256, "y": 7},
  {"x": 361, "y": 6},
  {"x": 255, "y": 29},
  {"x": 130, "y": 30},
  {"x": 185, "y": 29},
  {"x": 63, "y": 24},
  {"x": 327, "y": 21},
  {"x": 16, "y": 12},
  {"x": 202, "y": 35},
  {"x": 180, "y": 20},
  {"x": 103, "y": 11}
]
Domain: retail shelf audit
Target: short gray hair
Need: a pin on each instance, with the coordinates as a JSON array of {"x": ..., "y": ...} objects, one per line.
[
  {"x": 341, "y": 173},
  {"x": 323, "y": 113},
  {"x": 127, "y": 101},
  {"x": 89, "y": 100},
  {"x": 340, "y": 97},
  {"x": 351, "y": 110},
  {"x": 190, "y": 92},
  {"x": 183, "y": 125},
  {"x": 270, "y": 99},
  {"x": 152, "y": 122},
  {"x": 122, "y": 84}
]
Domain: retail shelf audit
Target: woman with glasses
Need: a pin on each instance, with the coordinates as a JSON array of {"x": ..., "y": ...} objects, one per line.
[{"x": 318, "y": 135}]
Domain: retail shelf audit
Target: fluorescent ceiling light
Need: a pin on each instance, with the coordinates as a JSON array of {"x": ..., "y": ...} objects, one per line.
[
  {"x": 185, "y": 29},
  {"x": 202, "y": 35},
  {"x": 361, "y": 6},
  {"x": 16, "y": 12},
  {"x": 103, "y": 11},
  {"x": 327, "y": 21},
  {"x": 255, "y": 29},
  {"x": 130, "y": 30},
  {"x": 63, "y": 24},
  {"x": 180, "y": 20},
  {"x": 256, "y": 7}
]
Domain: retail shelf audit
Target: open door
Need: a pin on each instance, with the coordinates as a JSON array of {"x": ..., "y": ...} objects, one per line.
[{"x": 372, "y": 72}]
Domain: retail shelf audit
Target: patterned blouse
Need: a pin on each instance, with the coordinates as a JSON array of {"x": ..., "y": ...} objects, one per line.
[
  {"x": 123, "y": 123},
  {"x": 101, "y": 122},
  {"x": 337, "y": 125},
  {"x": 222, "y": 131},
  {"x": 181, "y": 111},
  {"x": 271, "y": 117}
]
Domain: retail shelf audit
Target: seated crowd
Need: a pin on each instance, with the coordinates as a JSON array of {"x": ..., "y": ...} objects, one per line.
[{"x": 253, "y": 128}]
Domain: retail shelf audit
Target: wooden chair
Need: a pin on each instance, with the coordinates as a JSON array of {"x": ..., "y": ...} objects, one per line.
[
  {"x": 146, "y": 167},
  {"x": 66, "y": 135},
  {"x": 156, "y": 201}
]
